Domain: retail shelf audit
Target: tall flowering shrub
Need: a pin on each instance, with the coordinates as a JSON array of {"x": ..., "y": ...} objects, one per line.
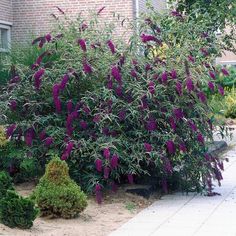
[{"x": 117, "y": 111}]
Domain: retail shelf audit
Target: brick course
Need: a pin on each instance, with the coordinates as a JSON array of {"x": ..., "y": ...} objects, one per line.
[{"x": 6, "y": 10}]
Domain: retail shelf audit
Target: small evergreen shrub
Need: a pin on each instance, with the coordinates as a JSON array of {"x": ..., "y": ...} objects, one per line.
[
  {"x": 5, "y": 183},
  {"x": 16, "y": 211},
  {"x": 57, "y": 195}
]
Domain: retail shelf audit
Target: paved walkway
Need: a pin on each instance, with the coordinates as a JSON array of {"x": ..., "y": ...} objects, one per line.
[{"x": 189, "y": 215}]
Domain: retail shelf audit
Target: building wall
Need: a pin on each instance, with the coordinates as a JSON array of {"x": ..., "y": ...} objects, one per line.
[
  {"x": 160, "y": 5},
  {"x": 32, "y": 17},
  {"x": 6, "y": 11}
]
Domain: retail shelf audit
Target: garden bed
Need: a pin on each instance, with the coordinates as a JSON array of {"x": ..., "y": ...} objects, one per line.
[{"x": 97, "y": 220}]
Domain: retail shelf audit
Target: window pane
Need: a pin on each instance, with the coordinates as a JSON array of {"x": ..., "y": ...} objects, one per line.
[{"x": 4, "y": 38}]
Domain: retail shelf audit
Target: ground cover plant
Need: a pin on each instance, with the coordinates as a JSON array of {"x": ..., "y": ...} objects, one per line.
[{"x": 115, "y": 112}]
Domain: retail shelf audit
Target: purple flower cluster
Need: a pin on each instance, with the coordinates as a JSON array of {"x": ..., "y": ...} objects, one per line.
[{"x": 67, "y": 151}]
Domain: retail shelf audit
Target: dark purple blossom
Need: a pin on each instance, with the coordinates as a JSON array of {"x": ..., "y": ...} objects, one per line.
[
  {"x": 147, "y": 38},
  {"x": 225, "y": 72},
  {"x": 221, "y": 90},
  {"x": 57, "y": 104},
  {"x": 151, "y": 87},
  {"x": 182, "y": 147},
  {"x": 118, "y": 91},
  {"x": 200, "y": 138},
  {"x": 37, "y": 78},
  {"x": 106, "y": 153},
  {"x": 42, "y": 135},
  {"x": 98, "y": 193},
  {"x": 64, "y": 81},
  {"x": 170, "y": 147},
  {"x": 151, "y": 125},
  {"x": 164, "y": 77},
  {"x": 122, "y": 115},
  {"x": 116, "y": 73},
  {"x": 178, "y": 88},
  {"x": 10, "y": 130},
  {"x": 212, "y": 74},
  {"x": 48, "y": 141},
  {"x": 83, "y": 124},
  {"x": 106, "y": 172},
  {"x": 13, "y": 105},
  {"x": 192, "y": 125},
  {"x": 69, "y": 106},
  {"x": 48, "y": 37},
  {"x": 111, "y": 46},
  {"x": 109, "y": 84},
  {"x": 167, "y": 166},
  {"x": 204, "y": 52},
  {"x": 178, "y": 113},
  {"x": 67, "y": 151},
  {"x": 15, "y": 79},
  {"x": 189, "y": 85},
  {"x": 87, "y": 68},
  {"x": 98, "y": 164},
  {"x": 29, "y": 135},
  {"x": 176, "y": 14},
  {"x": 191, "y": 58},
  {"x": 173, "y": 74},
  {"x": 97, "y": 118},
  {"x": 114, "y": 161},
  {"x": 202, "y": 96},
  {"x": 211, "y": 86},
  {"x": 133, "y": 74},
  {"x": 148, "y": 147},
  {"x": 82, "y": 44},
  {"x": 172, "y": 123}
]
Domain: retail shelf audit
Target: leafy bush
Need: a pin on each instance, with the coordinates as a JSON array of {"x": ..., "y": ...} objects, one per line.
[
  {"x": 16, "y": 211},
  {"x": 5, "y": 183},
  {"x": 56, "y": 194},
  {"x": 115, "y": 111}
]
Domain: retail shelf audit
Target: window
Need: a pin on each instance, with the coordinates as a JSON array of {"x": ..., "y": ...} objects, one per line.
[{"x": 5, "y": 37}]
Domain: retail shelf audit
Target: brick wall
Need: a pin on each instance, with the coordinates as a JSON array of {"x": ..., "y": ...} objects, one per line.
[
  {"x": 32, "y": 17},
  {"x": 6, "y": 10},
  {"x": 158, "y": 4}
]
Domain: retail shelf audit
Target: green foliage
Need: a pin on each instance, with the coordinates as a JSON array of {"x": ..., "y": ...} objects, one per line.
[
  {"x": 56, "y": 194},
  {"x": 16, "y": 211},
  {"x": 5, "y": 183}
]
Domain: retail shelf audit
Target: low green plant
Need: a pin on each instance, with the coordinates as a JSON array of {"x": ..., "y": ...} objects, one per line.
[
  {"x": 5, "y": 183},
  {"x": 16, "y": 211},
  {"x": 56, "y": 194}
]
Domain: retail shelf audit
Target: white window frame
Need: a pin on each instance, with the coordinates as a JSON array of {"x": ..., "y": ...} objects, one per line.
[{"x": 6, "y": 25}]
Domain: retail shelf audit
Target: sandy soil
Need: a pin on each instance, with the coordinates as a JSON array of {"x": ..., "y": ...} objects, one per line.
[{"x": 96, "y": 220}]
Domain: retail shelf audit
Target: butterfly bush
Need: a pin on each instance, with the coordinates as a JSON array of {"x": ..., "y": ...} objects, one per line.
[{"x": 117, "y": 111}]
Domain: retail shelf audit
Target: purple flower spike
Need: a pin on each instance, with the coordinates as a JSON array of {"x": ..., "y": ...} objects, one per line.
[
  {"x": 202, "y": 97},
  {"x": 170, "y": 147},
  {"x": 87, "y": 68},
  {"x": 182, "y": 147},
  {"x": 109, "y": 84},
  {"x": 10, "y": 130},
  {"x": 98, "y": 164},
  {"x": 69, "y": 147},
  {"x": 106, "y": 172},
  {"x": 106, "y": 153},
  {"x": 114, "y": 161},
  {"x": 69, "y": 106},
  {"x": 83, "y": 124},
  {"x": 212, "y": 75},
  {"x": 29, "y": 135},
  {"x": 172, "y": 123},
  {"x": 82, "y": 44},
  {"x": 98, "y": 193},
  {"x": 151, "y": 125},
  {"x": 221, "y": 90},
  {"x": 225, "y": 72},
  {"x": 122, "y": 115},
  {"x": 57, "y": 103},
  {"x": 130, "y": 178},
  {"x": 111, "y": 46},
  {"x": 133, "y": 74},
  {"x": 64, "y": 81},
  {"x": 151, "y": 87},
  {"x": 192, "y": 125},
  {"x": 148, "y": 147},
  {"x": 189, "y": 85},
  {"x": 37, "y": 78},
  {"x": 178, "y": 88},
  {"x": 42, "y": 135},
  {"x": 164, "y": 77},
  {"x": 96, "y": 118},
  {"x": 56, "y": 90},
  {"x": 200, "y": 138},
  {"x": 116, "y": 73},
  {"x": 48, "y": 141},
  {"x": 178, "y": 113},
  {"x": 147, "y": 38},
  {"x": 211, "y": 86},
  {"x": 118, "y": 91},
  {"x": 13, "y": 105},
  {"x": 48, "y": 37},
  {"x": 191, "y": 58},
  {"x": 173, "y": 74}
]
